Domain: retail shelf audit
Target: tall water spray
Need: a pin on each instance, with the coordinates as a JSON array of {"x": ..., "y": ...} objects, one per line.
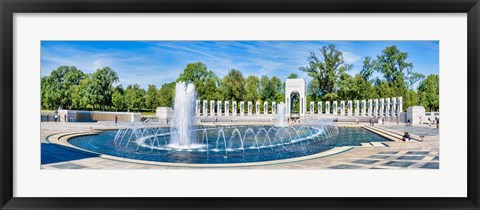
[
  {"x": 281, "y": 115},
  {"x": 183, "y": 118}
]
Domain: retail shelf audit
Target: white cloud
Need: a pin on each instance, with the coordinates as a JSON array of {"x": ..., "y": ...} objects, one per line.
[{"x": 350, "y": 58}]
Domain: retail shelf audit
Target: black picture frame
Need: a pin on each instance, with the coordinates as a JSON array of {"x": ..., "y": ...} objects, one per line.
[{"x": 9, "y": 7}]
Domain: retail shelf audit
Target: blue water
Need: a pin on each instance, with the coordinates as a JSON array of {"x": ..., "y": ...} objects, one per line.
[{"x": 104, "y": 143}]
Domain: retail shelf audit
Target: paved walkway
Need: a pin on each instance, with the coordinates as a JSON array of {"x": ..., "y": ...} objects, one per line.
[{"x": 396, "y": 155}]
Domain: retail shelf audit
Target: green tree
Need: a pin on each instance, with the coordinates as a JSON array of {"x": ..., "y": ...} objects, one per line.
[
  {"x": 56, "y": 89},
  {"x": 198, "y": 74},
  {"x": 251, "y": 89},
  {"x": 233, "y": 85},
  {"x": 118, "y": 98},
  {"x": 280, "y": 93},
  {"x": 326, "y": 71},
  {"x": 152, "y": 97},
  {"x": 292, "y": 76},
  {"x": 428, "y": 90},
  {"x": 368, "y": 68},
  {"x": 134, "y": 97},
  {"x": 167, "y": 92},
  {"x": 102, "y": 86},
  {"x": 269, "y": 88},
  {"x": 411, "y": 99}
]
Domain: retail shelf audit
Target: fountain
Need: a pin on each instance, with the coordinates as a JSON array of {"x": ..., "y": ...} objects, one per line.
[
  {"x": 183, "y": 118},
  {"x": 281, "y": 115},
  {"x": 186, "y": 142}
]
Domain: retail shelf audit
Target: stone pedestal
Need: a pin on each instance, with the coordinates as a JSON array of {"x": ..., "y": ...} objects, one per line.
[
  {"x": 335, "y": 108},
  {"x": 319, "y": 107},
  {"x": 312, "y": 107},
  {"x": 274, "y": 107},
  {"x": 342, "y": 108},
  {"x": 227, "y": 106},
  {"x": 234, "y": 108},
  {"x": 394, "y": 108},
  {"x": 212, "y": 108},
  {"x": 219, "y": 108},
  {"x": 205, "y": 108},
  {"x": 257, "y": 108},
  {"x": 382, "y": 107},
  {"x": 375, "y": 107},
  {"x": 387, "y": 108},
  {"x": 327, "y": 107},
  {"x": 364, "y": 107},
  {"x": 197, "y": 107},
  {"x": 370, "y": 107},
  {"x": 349, "y": 105},
  {"x": 265, "y": 107},
  {"x": 400, "y": 104},
  {"x": 250, "y": 108},
  {"x": 242, "y": 108},
  {"x": 414, "y": 113},
  {"x": 357, "y": 108}
]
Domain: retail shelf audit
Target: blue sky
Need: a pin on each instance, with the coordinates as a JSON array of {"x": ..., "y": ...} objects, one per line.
[{"x": 159, "y": 62}]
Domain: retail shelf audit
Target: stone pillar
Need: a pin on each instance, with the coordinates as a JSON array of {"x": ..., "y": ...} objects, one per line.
[
  {"x": 335, "y": 108},
  {"x": 327, "y": 107},
  {"x": 400, "y": 105},
  {"x": 319, "y": 107},
  {"x": 212, "y": 107},
  {"x": 370, "y": 107},
  {"x": 364, "y": 108},
  {"x": 414, "y": 113},
  {"x": 234, "y": 108},
  {"x": 265, "y": 107},
  {"x": 227, "y": 106},
  {"x": 312, "y": 107},
  {"x": 274, "y": 107},
  {"x": 242, "y": 108},
  {"x": 219, "y": 108},
  {"x": 357, "y": 108},
  {"x": 204, "y": 107},
  {"x": 250, "y": 108},
  {"x": 394, "y": 107},
  {"x": 349, "y": 103},
  {"x": 375, "y": 108},
  {"x": 257, "y": 108},
  {"x": 387, "y": 108},
  {"x": 342, "y": 108},
  {"x": 382, "y": 107},
  {"x": 197, "y": 107}
]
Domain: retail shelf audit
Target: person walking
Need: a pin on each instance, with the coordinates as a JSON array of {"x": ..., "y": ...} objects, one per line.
[
  {"x": 383, "y": 120},
  {"x": 406, "y": 137},
  {"x": 56, "y": 117},
  {"x": 65, "y": 118},
  {"x": 429, "y": 122},
  {"x": 116, "y": 119}
]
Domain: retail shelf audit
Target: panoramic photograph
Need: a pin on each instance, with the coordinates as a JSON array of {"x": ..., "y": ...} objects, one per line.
[{"x": 320, "y": 105}]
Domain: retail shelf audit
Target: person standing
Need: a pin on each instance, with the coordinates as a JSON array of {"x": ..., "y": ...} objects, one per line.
[
  {"x": 56, "y": 117},
  {"x": 116, "y": 119},
  {"x": 383, "y": 120},
  {"x": 429, "y": 122},
  {"x": 65, "y": 118}
]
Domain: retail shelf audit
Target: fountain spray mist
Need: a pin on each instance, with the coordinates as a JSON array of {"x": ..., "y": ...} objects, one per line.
[
  {"x": 281, "y": 115},
  {"x": 183, "y": 118}
]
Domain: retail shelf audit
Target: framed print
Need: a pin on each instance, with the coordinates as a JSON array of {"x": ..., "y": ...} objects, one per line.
[{"x": 245, "y": 105}]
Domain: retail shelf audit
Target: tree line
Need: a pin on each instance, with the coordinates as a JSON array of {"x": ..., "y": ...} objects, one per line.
[{"x": 70, "y": 88}]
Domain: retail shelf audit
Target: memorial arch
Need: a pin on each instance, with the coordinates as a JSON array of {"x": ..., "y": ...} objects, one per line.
[{"x": 294, "y": 87}]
